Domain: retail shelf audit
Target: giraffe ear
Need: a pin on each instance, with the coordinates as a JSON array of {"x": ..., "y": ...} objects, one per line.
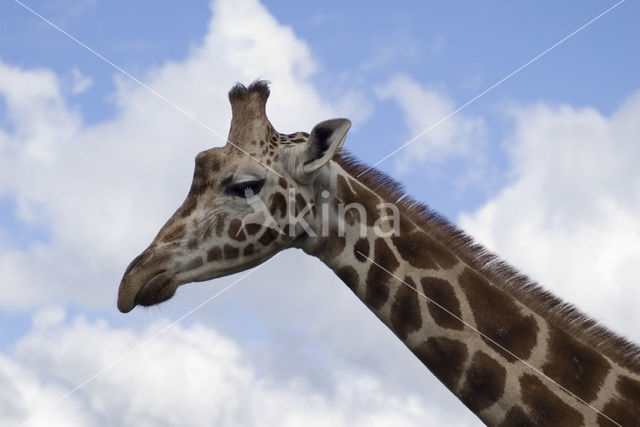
[{"x": 325, "y": 140}]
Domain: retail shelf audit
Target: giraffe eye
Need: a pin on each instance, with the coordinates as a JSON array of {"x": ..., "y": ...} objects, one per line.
[{"x": 246, "y": 188}]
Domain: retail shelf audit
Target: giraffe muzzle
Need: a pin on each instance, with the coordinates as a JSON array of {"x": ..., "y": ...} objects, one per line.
[
  {"x": 160, "y": 288},
  {"x": 146, "y": 283}
]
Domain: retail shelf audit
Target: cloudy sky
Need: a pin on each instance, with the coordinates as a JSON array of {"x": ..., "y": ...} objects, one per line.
[{"x": 543, "y": 169}]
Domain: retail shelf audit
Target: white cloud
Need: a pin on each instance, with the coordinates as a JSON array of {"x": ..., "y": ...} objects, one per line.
[
  {"x": 570, "y": 216},
  {"x": 186, "y": 376},
  {"x": 460, "y": 137},
  {"x": 80, "y": 82},
  {"x": 102, "y": 191}
]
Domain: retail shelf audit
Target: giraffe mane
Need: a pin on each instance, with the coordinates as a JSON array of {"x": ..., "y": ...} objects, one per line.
[{"x": 506, "y": 277}]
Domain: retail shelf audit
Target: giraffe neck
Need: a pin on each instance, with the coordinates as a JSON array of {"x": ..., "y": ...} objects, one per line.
[{"x": 504, "y": 361}]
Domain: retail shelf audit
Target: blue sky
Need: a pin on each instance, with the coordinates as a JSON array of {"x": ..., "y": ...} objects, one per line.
[
  {"x": 540, "y": 169},
  {"x": 459, "y": 49}
]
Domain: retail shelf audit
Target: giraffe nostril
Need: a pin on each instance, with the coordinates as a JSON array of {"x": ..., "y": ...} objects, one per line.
[{"x": 133, "y": 263}]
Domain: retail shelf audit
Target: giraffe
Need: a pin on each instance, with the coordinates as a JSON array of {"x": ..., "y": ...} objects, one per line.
[{"x": 510, "y": 351}]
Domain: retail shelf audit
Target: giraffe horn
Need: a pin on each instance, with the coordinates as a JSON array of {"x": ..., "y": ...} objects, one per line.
[{"x": 248, "y": 107}]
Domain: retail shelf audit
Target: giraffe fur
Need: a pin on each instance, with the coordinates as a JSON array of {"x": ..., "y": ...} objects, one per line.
[{"x": 512, "y": 352}]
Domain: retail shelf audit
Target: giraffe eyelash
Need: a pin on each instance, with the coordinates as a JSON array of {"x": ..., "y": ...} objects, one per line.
[{"x": 240, "y": 189}]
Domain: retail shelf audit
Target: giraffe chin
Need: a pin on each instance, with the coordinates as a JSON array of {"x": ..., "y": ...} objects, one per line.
[{"x": 158, "y": 289}]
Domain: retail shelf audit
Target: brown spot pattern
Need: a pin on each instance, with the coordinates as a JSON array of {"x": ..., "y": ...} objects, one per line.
[
  {"x": 361, "y": 249},
  {"x": 444, "y": 357},
  {"x": 484, "y": 382},
  {"x": 629, "y": 389},
  {"x": 498, "y": 317},
  {"x": 377, "y": 291},
  {"x": 207, "y": 232},
  {"x": 235, "y": 230},
  {"x": 575, "y": 366},
  {"x": 352, "y": 213},
  {"x": 623, "y": 412},
  {"x": 188, "y": 206},
  {"x": 268, "y": 236},
  {"x": 349, "y": 276},
  {"x": 406, "y": 226},
  {"x": 205, "y": 164},
  {"x": 442, "y": 293},
  {"x": 176, "y": 233},
  {"x": 277, "y": 205},
  {"x": 331, "y": 246},
  {"x": 220, "y": 224},
  {"x": 368, "y": 200},
  {"x": 200, "y": 180},
  {"x": 230, "y": 251},
  {"x": 517, "y": 417},
  {"x": 214, "y": 254},
  {"x": 545, "y": 408},
  {"x": 405, "y": 311},
  {"x": 249, "y": 249},
  {"x": 300, "y": 204},
  {"x": 357, "y": 203},
  {"x": 193, "y": 244},
  {"x": 421, "y": 251},
  {"x": 252, "y": 228}
]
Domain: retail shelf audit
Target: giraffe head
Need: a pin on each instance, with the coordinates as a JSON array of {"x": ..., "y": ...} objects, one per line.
[{"x": 238, "y": 211}]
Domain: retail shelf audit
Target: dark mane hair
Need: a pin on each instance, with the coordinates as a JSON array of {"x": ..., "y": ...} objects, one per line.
[
  {"x": 559, "y": 313},
  {"x": 240, "y": 91}
]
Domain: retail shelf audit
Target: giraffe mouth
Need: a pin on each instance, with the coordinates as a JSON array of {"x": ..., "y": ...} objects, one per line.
[{"x": 158, "y": 289}]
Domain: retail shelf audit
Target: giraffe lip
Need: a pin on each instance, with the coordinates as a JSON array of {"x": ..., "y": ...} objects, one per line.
[{"x": 157, "y": 289}]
